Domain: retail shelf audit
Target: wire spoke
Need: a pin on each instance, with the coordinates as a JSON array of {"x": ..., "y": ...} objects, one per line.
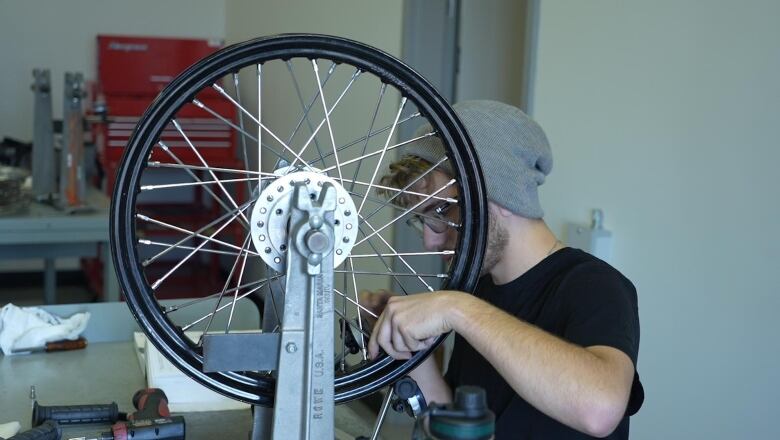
[
  {"x": 240, "y": 297},
  {"x": 363, "y": 333},
  {"x": 171, "y": 309},
  {"x": 183, "y": 166},
  {"x": 398, "y": 274},
  {"x": 243, "y": 138},
  {"x": 307, "y": 108},
  {"x": 326, "y": 119},
  {"x": 259, "y": 128},
  {"x": 403, "y": 254},
  {"x": 415, "y": 206},
  {"x": 209, "y": 182},
  {"x": 402, "y": 208},
  {"x": 237, "y": 128},
  {"x": 273, "y": 301},
  {"x": 356, "y": 304},
  {"x": 213, "y": 176},
  {"x": 392, "y": 147},
  {"x": 406, "y": 188},
  {"x": 224, "y": 288},
  {"x": 260, "y": 124},
  {"x": 381, "y": 130},
  {"x": 235, "y": 295},
  {"x": 157, "y": 283},
  {"x": 194, "y": 176},
  {"x": 168, "y": 245},
  {"x": 392, "y": 249},
  {"x": 190, "y": 234},
  {"x": 382, "y": 90},
  {"x": 382, "y": 259},
  {"x": 400, "y": 191},
  {"x": 382, "y": 156},
  {"x": 357, "y": 300}
]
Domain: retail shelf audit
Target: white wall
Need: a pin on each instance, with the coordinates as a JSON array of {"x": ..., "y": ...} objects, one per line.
[
  {"x": 61, "y": 36},
  {"x": 373, "y": 22},
  {"x": 491, "y": 50},
  {"x": 665, "y": 115}
]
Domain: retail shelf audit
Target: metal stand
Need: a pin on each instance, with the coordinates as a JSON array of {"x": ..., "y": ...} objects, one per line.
[
  {"x": 304, "y": 390},
  {"x": 44, "y": 174},
  {"x": 302, "y": 353},
  {"x": 73, "y": 179}
]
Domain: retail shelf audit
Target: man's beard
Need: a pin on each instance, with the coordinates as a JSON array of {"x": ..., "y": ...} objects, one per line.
[{"x": 497, "y": 239}]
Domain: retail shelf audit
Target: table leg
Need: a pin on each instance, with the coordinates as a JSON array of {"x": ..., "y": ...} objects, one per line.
[
  {"x": 49, "y": 281},
  {"x": 110, "y": 284}
]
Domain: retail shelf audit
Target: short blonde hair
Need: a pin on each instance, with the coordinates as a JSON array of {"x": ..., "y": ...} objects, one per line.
[{"x": 402, "y": 172}]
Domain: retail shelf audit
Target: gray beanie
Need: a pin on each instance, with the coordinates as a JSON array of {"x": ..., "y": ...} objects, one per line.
[{"x": 512, "y": 149}]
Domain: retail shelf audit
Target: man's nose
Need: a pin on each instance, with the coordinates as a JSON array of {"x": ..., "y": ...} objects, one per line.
[{"x": 433, "y": 241}]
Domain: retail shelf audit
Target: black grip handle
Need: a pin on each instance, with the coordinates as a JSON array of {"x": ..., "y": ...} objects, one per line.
[
  {"x": 50, "y": 430},
  {"x": 75, "y": 414}
]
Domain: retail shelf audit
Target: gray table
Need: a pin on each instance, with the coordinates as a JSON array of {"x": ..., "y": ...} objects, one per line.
[
  {"x": 44, "y": 232},
  {"x": 108, "y": 371},
  {"x": 102, "y": 373}
]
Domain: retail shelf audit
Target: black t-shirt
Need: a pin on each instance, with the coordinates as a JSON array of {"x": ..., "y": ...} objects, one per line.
[{"x": 574, "y": 296}]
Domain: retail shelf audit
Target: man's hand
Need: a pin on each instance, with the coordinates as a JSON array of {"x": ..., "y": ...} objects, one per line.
[
  {"x": 411, "y": 323},
  {"x": 373, "y": 302}
]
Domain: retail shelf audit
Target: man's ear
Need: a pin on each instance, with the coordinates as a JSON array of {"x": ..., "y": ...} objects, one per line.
[{"x": 499, "y": 210}]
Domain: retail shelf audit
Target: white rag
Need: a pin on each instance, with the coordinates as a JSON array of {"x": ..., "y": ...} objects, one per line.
[
  {"x": 33, "y": 327},
  {"x": 9, "y": 429}
]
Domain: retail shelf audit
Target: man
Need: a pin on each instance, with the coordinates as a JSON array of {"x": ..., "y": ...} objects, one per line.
[{"x": 551, "y": 333}]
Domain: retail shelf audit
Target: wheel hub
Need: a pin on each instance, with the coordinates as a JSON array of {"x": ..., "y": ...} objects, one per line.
[{"x": 271, "y": 214}]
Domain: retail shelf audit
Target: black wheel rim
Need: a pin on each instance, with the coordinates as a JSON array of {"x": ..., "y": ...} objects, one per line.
[{"x": 165, "y": 335}]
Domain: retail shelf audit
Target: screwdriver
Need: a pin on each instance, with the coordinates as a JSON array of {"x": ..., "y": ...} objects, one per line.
[{"x": 54, "y": 346}]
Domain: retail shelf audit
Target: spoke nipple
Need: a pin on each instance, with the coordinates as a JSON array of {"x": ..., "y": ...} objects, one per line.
[
  {"x": 291, "y": 347},
  {"x": 280, "y": 188},
  {"x": 307, "y": 181},
  {"x": 345, "y": 239},
  {"x": 267, "y": 250},
  {"x": 260, "y": 224},
  {"x": 312, "y": 196},
  {"x": 279, "y": 211},
  {"x": 263, "y": 211},
  {"x": 319, "y": 183},
  {"x": 270, "y": 198},
  {"x": 347, "y": 212},
  {"x": 283, "y": 247}
]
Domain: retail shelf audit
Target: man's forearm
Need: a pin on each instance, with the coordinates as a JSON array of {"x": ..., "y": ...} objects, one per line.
[{"x": 571, "y": 384}]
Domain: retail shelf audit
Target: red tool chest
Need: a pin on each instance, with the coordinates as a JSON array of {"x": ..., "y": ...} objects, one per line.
[{"x": 132, "y": 71}]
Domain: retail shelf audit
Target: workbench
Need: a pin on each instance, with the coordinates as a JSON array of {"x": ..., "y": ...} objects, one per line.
[
  {"x": 107, "y": 370},
  {"x": 102, "y": 373},
  {"x": 44, "y": 232}
]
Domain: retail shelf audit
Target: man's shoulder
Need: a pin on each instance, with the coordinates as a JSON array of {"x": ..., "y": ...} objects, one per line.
[
  {"x": 581, "y": 264},
  {"x": 587, "y": 273}
]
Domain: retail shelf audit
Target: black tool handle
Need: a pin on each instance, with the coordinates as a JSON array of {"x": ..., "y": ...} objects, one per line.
[
  {"x": 75, "y": 414},
  {"x": 49, "y": 430}
]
